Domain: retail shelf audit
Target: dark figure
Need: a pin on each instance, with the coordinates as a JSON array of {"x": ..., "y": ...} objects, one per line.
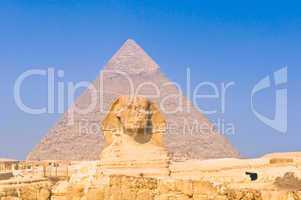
[{"x": 253, "y": 176}]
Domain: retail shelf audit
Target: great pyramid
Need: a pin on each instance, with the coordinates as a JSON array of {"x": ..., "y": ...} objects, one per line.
[{"x": 77, "y": 136}]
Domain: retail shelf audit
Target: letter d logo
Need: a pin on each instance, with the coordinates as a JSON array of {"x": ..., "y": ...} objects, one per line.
[{"x": 279, "y": 122}]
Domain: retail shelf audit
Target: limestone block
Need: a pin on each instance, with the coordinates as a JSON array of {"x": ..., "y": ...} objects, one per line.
[
  {"x": 61, "y": 188},
  {"x": 145, "y": 194},
  {"x": 10, "y": 198},
  {"x": 185, "y": 187},
  {"x": 53, "y": 197},
  {"x": 76, "y": 192},
  {"x": 96, "y": 194},
  {"x": 200, "y": 197},
  {"x": 172, "y": 196},
  {"x": 44, "y": 194},
  {"x": 166, "y": 185},
  {"x": 248, "y": 194},
  {"x": 204, "y": 187}
]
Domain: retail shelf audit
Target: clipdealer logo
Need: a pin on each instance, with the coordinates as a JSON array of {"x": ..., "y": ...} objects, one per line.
[{"x": 279, "y": 79}]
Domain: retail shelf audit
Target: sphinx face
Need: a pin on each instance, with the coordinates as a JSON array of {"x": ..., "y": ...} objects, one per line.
[{"x": 134, "y": 115}]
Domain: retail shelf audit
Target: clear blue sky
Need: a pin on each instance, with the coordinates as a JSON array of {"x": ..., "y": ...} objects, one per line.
[{"x": 240, "y": 41}]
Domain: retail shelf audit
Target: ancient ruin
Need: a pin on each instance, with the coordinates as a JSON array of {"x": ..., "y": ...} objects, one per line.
[
  {"x": 135, "y": 165},
  {"x": 132, "y": 70},
  {"x": 134, "y": 162},
  {"x": 134, "y": 130},
  {"x": 279, "y": 178}
]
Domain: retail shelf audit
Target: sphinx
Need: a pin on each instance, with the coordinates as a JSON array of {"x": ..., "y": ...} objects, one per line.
[{"x": 133, "y": 130}]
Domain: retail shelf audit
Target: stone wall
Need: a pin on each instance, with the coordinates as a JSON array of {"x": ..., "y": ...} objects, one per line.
[
  {"x": 5, "y": 175},
  {"x": 30, "y": 191},
  {"x": 140, "y": 188}
]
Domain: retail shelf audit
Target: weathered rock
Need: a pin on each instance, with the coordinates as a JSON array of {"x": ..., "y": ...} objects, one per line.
[
  {"x": 185, "y": 187},
  {"x": 289, "y": 182},
  {"x": 96, "y": 194},
  {"x": 35, "y": 190},
  {"x": 133, "y": 130},
  {"x": 172, "y": 196},
  {"x": 204, "y": 187},
  {"x": 44, "y": 194},
  {"x": 244, "y": 195}
]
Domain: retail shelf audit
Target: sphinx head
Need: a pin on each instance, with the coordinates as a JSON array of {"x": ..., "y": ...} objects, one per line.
[{"x": 134, "y": 116}]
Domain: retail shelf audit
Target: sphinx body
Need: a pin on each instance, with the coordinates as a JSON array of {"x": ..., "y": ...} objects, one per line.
[{"x": 134, "y": 129}]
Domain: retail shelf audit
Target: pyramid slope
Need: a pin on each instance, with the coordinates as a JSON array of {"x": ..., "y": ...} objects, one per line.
[
  {"x": 83, "y": 139},
  {"x": 132, "y": 59}
]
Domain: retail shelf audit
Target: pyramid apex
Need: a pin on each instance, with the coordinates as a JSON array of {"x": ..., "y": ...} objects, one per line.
[
  {"x": 130, "y": 44},
  {"x": 132, "y": 59},
  {"x": 130, "y": 40}
]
